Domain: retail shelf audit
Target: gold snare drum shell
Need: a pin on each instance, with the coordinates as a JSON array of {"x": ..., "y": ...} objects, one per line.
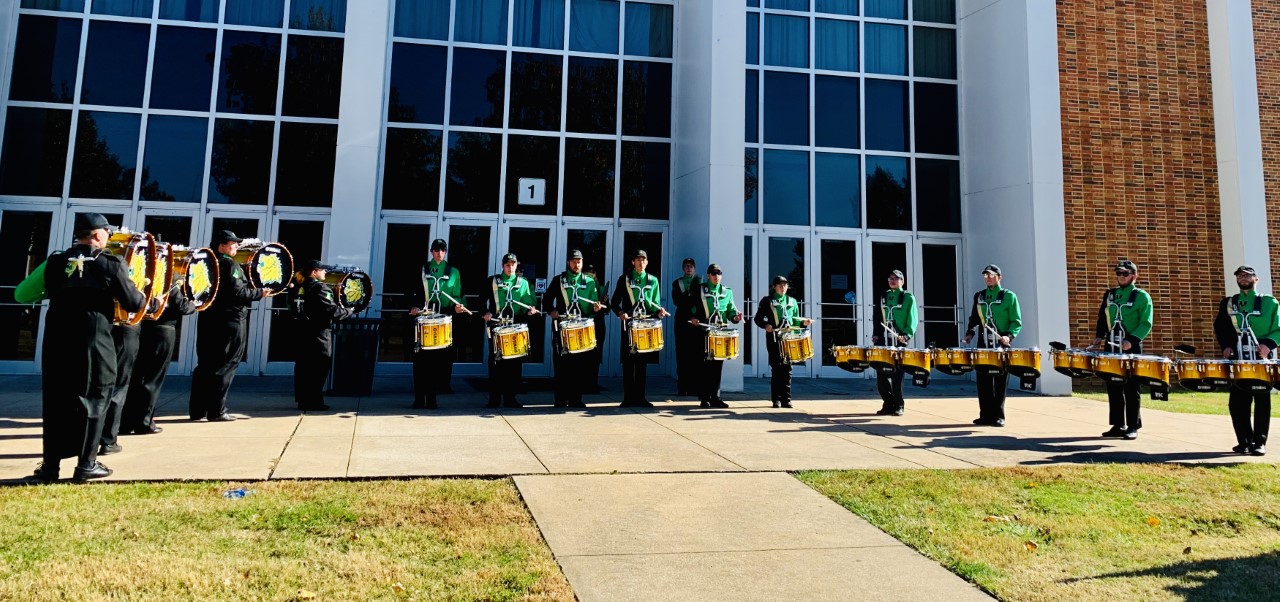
[
  {"x": 433, "y": 331},
  {"x": 577, "y": 336},
  {"x": 796, "y": 347},
  {"x": 722, "y": 344},
  {"x": 511, "y": 341},
  {"x": 646, "y": 335}
]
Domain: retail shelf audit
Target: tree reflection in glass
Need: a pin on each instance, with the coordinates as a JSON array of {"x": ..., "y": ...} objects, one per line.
[
  {"x": 240, "y": 169},
  {"x": 249, "y": 71},
  {"x": 888, "y": 193},
  {"x": 474, "y": 172},
  {"x": 106, "y": 155}
]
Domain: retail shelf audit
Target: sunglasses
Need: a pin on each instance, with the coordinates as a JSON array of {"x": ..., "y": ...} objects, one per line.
[
  {"x": 1123, "y": 273},
  {"x": 715, "y": 273},
  {"x": 894, "y": 278}
]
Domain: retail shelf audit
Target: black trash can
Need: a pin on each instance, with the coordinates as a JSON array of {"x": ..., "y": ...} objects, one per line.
[{"x": 355, "y": 352}]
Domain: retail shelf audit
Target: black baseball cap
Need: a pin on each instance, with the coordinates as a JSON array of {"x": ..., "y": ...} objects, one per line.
[
  {"x": 222, "y": 236},
  {"x": 439, "y": 245},
  {"x": 639, "y": 253},
  {"x": 575, "y": 254},
  {"x": 311, "y": 265},
  {"x": 779, "y": 280},
  {"x": 714, "y": 269},
  {"x": 1246, "y": 269},
  {"x": 509, "y": 258},
  {"x": 1127, "y": 265},
  {"x": 993, "y": 268},
  {"x": 688, "y": 261},
  {"x": 91, "y": 221}
]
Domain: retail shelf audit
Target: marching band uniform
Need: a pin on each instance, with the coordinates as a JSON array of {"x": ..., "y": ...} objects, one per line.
[
  {"x": 79, "y": 356},
  {"x": 126, "y": 339},
  {"x": 714, "y": 305},
  {"x": 777, "y": 312},
  {"x": 996, "y": 307},
  {"x": 314, "y": 311},
  {"x": 504, "y": 375},
  {"x": 433, "y": 368},
  {"x": 1263, "y": 315},
  {"x": 155, "y": 351},
  {"x": 689, "y": 340},
  {"x": 220, "y": 336},
  {"x": 595, "y": 357},
  {"x": 1129, "y": 308},
  {"x": 898, "y": 308},
  {"x": 635, "y": 290},
  {"x": 571, "y": 289}
]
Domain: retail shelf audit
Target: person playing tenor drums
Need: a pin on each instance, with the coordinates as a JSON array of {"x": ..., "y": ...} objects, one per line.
[
  {"x": 996, "y": 319},
  {"x": 1248, "y": 327},
  {"x": 898, "y": 317},
  {"x": 1124, "y": 319}
]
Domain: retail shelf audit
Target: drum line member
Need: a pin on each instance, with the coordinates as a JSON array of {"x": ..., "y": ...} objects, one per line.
[
  {"x": 776, "y": 313},
  {"x": 595, "y": 357},
  {"x": 689, "y": 338},
  {"x": 441, "y": 292},
  {"x": 1129, "y": 323},
  {"x": 568, "y": 289},
  {"x": 78, "y": 355},
  {"x": 1261, "y": 315},
  {"x": 315, "y": 310},
  {"x": 636, "y": 290},
  {"x": 155, "y": 351},
  {"x": 997, "y": 319},
  {"x": 126, "y": 339},
  {"x": 714, "y": 306},
  {"x": 510, "y": 292},
  {"x": 220, "y": 334},
  {"x": 897, "y": 310}
]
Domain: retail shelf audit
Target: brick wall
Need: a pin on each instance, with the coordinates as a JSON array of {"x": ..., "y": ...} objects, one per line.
[
  {"x": 1139, "y": 161},
  {"x": 1266, "y": 45}
]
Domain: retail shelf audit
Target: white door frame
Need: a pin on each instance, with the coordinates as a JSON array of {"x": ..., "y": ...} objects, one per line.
[
  {"x": 820, "y": 344},
  {"x": 442, "y": 230},
  {"x": 377, "y": 273},
  {"x": 186, "y": 344},
  {"x": 806, "y": 306},
  {"x": 554, "y": 244},
  {"x": 265, "y": 366},
  {"x": 255, "y": 350}
]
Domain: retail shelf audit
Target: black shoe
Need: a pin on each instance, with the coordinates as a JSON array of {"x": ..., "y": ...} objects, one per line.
[
  {"x": 1115, "y": 431},
  {"x": 223, "y": 417},
  {"x": 1258, "y": 450},
  {"x": 706, "y": 403},
  {"x": 577, "y": 404},
  {"x": 776, "y": 403},
  {"x": 998, "y": 422},
  {"x": 42, "y": 476},
  {"x": 316, "y": 408},
  {"x": 1241, "y": 449},
  {"x": 107, "y": 450},
  {"x": 562, "y": 404},
  {"x": 886, "y": 412},
  {"x": 981, "y": 421},
  {"x": 718, "y": 403},
  {"x": 1131, "y": 434},
  {"x": 97, "y": 471},
  {"x": 785, "y": 404},
  {"x": 898, "y": 412},
  {"x": 143, "y": 430}
]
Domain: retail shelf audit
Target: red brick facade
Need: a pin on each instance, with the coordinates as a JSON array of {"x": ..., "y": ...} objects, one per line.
[
  {"x": 1139, "y": 161},
  {"x": 1266, "y": 45}
]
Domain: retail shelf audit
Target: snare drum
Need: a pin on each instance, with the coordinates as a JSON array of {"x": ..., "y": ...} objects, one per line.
[
  {"x": 796, "y": 346},
  {"x": 1111, "y": 367},
  {"x": 989, "y": 361},
  {"x": 511, "y": 341},
  {"x": 1254, "y": 375},
  {"x": 577, "y": 335},
  {"x": 883, "y": 358},
  {"x": 1024, "y": 362},
  {"x": 269, "y": 266},
  {"x": 954, "y": 361},
  {"x": 915, "y": 361},
  {"x": 1151, "y": 369},
  {"x": 722, "y": 344},
  {"x": 433, "y": 331},
  {"x": 646, "y": 335}
]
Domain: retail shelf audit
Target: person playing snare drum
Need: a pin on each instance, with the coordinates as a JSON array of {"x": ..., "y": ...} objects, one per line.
[
  {"x": 777, "y": 313},
  {"x": 571, "y": 290},
  {"x": 713, "y": 305}
]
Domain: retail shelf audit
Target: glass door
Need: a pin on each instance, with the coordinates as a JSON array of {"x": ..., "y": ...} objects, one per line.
[
  {"x": 943, "y": 312},
  {"x": 533, "y": 244},
  {"x": 888, "y": 253},
  {"x": 653, "y": 241},
  {"x": 27, "y": 235},
  {"x": 838, "y": 297},
  {"x": 175, "y": 227},
  {"x": 398, "y": 278},
  {"x": 786, "y": 253},
  {"x": 471, "y": 251},
  {"x": 592, "y": 238},
  {"x": 304, "y": 236},
  {"x": 243, "y": 225}
]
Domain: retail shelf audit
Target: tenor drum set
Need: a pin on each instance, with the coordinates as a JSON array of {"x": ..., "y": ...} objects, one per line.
[{"x": 953, "y": 361}]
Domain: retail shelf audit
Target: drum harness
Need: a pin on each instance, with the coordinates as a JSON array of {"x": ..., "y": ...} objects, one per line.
[
  {"x": 573, "y": 304},
  {"x": 433, "y": 290},
  {"x": 990, "y": 336},
  {"x": 774, "y": 305},
  {"x": 1246, "y": 341},
  {"x": 1117, "y": 325},
  {"x": 717, "y": 321},
  {"x": 889, "y": 330}
]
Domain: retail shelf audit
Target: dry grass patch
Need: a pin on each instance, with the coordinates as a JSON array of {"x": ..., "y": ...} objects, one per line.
[
  {"x": 288, "y": 540},
  {"x": 1180, "y": 401},
  {"x": 1101, "y": 532}
]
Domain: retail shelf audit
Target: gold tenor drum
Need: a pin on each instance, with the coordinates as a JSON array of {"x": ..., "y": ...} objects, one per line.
[
  {"x": 722, "y": 344},
  {"x": 1071, "y": 362},
  {"x": 162, "y": 282},
  {"x": 646, "y": 335},
  {"x": 883, "y": 358},
  {"x": 138, "y": 250},
  {"x": 1204, "y": 374},
  {"x": 432, "y": 331},
  {"x": 1024, "y": 362},
  {"x": 915, "y": 361},
  {"x": 1151, "y": 369},
  {"x": 954, "y": 361},
  {"x": 1252, "y": 375},
  {"x": 577, "y": 335},
  {"x": 989, "y": 361},
  {"x": 850, "y": 357},
  {"x": 1111, "y": 367},
  {"x": 796, "y": 346},
  {"x": 268, "y": 265},
  {"x": 511, "y": 341},
  {"x": 352, "y": 287}
]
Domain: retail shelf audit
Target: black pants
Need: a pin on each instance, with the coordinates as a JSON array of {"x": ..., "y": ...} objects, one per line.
[
  {"x": 310, "y": 371},
  {"x": 504, "y": 380},
  {"x": 79, "y": 375},
  {"x": 635, "y": 373},
  {"x": 432, "y": 370},
  {"x": 126, "y": 339},
  {"x": 572, "y": 374},
  {"x": 991, "y": 391},
  {"x": 780, "y": 381},
  {"x": 219, "y": 347},
  {"x": 890, "y": 386},
  {"x": 1126, "y": 404},
  {"x": 155, "y": 351},
  {"x": 690, "y": 349},
  {"x": 1250, "y": 432},
  {"x": 711, "y": 373}
]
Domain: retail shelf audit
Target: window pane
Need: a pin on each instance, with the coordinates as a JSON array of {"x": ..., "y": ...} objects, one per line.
[
  {"x": 786, "y": 258},
  {"x": 836, "y": 111},
  {"x": 417, "y": 83},
  {"x": 249, "y": 71},
  {"x": 115, "y": 64},
  {"x": 836, "y": 45},
  {"x": 646, "y": 180},
  {"x": 173, "y": 163},
  {"x": 938, "y": 194},
  {"x": 44, "y": 59},
  {"x": 888, "y": 193},
  {"x": 240, "y": 168},
  {"x": 937, "y": 119},
  {"x": 106, "y": 155},
  {"x": 786, "y": 187},
  {"x": 318, "y": 15},
  {"x": 304, "y": 164},
  {"x": 839, "y": 7},
  {"x": 886, "y": 9},
  {"x": 935, "y": 54},
  {"x": 753, "y": 38},
  {"x": 428, "y": 19},
  {"x": 533, "y": 157},
  {"x": 787, "y": 4},
  {"x": 886, "y": 115},
  {"x": 753, "y": 106},
  {"x": 886, "y": 49},
  {"x": 593, "y": 26},
  {"x": 786, "y": 41},
  {"x": 476, "y": 97},
  {"x": 123, "y": 8},
  {"x": 482, "y": 21},
  {"x": 937, "y": 11},
  {"x": 75, "y": 6},
  {"x": 411, "y": 171},
  {"x": 182, "y": 75},
  {"x": 593, "y": 96},
  {"x": 263, "y": 13},
  {"x": 474, "y": 172},
  {"x": 535, "y": 91},
  {"x": 312, "y": 77},
  {"x": 938, "y": 264},
  {"x": 751, "y": 188},
  {"x": 201, "y": 11},
  {"x": 786, "y": 108},
  {"x": 401, "y": 282},
  {"x": 646, "y": 95},
  {"x": 34, "y": 160},
  {"x": 27, "y": 235},
  {"x": 539, "y": 24},
  {"x": 837, "y": 194},
  {"x": 649, "y": 29},
  {"x": 589, "y": 176}
]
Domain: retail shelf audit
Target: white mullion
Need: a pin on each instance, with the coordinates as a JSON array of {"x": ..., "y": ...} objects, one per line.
[
  {"x": 74, "y": 128},
  {"x": 146, "y": 102},
  {"x": 911, "y": 127},
  {"x": 212, "y": 116},
  {"x": 279, "y": 108}
]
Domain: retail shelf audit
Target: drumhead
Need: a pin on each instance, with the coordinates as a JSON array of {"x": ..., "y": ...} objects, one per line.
[
  {"x": 162, "y": 281},
  {"x": 202, "y": 276},
  {"x": 354, "y": 290},
  {"x": 434, "y": 318},
  {"x": 511, "y": 329},
  {"x": 269, "y": 268}
]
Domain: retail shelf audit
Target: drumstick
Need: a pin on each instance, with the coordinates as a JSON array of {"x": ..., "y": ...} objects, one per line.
[{"x": 455, "y": 302}]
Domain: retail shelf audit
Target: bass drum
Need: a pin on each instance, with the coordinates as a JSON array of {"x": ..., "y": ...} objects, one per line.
[
  {"x": 163, "y": 281},
  {"x": 268, "y": 265},
  {"x": 138, "y": 250},
  {"x": 197, "y": 272},
  {"x": 352, "y": 287}
]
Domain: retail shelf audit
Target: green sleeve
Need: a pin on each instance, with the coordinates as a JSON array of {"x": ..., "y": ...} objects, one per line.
[
  {"x": 1014, "y": 314},
  {"x": 1270, "y": 322},
  {"x": 731, "y": 309},
  {"x": 31, "y": 289},
  {"x": 525, "y": 294},
  {"x": 454, "y": 286},
  {"x": 1145, "y": 313},
  {"x": 909, "y": 306}
]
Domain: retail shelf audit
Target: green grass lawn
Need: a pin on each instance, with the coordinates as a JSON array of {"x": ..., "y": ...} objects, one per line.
[
  {"x": 312, "y": 540},
  {"x": 1101, "y": 532},
  {"x": 1181, "y": 401}
]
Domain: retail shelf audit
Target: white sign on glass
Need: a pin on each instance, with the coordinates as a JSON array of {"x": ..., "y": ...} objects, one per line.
[{"x": 533, "y": 191}]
